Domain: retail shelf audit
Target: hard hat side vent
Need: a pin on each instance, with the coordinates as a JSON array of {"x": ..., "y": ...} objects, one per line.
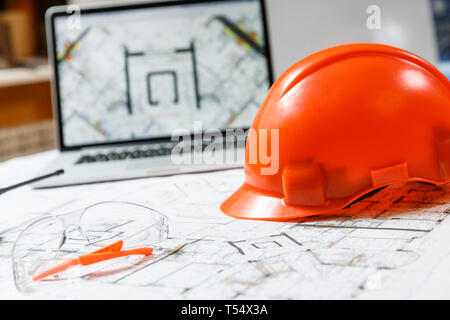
[
  {"x": 304, "y": 185},
  {"x": 443, "y": 154},
  {"x": 388, "y": 175}
]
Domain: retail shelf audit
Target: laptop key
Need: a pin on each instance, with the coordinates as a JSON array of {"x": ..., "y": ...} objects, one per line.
[
  {"x": 86, "y": 159},
  {"x": 138, "y": 154},
  {"x": 125, "y": 155},
  {"x": 101, "y": 157},
  {"x": 150, "y": 153},
  {"x": 164, "y": 151},
  {"x": 114, "y": 156}
]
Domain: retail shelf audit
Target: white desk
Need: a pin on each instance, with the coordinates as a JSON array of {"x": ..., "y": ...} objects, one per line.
[{"x": 381, "y": 255}]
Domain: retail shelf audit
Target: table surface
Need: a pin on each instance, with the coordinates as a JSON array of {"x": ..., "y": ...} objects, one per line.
[{"x": 391, "y": 245}]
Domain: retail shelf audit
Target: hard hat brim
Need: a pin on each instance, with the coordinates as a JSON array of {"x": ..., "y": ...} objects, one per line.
[{"x": 249, "y": 203}]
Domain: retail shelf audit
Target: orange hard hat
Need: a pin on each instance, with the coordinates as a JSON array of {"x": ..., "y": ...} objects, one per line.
[{"x": 346, "y": 120}]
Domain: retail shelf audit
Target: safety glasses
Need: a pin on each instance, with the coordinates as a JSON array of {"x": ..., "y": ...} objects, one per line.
[{"x": 105, "y": 238}]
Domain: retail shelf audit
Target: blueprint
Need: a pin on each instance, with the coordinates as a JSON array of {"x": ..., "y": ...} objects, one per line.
[{"x": 394, "y": 244}]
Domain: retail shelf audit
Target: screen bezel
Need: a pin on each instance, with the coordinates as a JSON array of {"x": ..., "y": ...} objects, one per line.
[{"x": 61, "y": 11}]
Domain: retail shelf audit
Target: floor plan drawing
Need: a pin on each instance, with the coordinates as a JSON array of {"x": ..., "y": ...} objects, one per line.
[{"x": 391, "y": 244}]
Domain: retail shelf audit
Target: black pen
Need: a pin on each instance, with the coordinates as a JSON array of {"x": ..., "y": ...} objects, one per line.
[{"x": 56, "y": 173}]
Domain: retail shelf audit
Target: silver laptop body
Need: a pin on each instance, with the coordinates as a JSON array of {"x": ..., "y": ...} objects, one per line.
[{"x": 153, "y": 89}]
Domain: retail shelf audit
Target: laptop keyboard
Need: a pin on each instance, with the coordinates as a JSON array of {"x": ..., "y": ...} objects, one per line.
[
  {"x": 138, "y": 153},
  {"x": 125, "y": 155}
]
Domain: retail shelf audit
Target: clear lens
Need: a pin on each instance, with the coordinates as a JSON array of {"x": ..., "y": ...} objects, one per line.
[
  {"x": 26, "y": 270},
  {"x": 108, "y": 222},
  {"x": 38, "y": 243},
  {"x": 52, "y": 241},
  {"x": 42, "y": 239}
]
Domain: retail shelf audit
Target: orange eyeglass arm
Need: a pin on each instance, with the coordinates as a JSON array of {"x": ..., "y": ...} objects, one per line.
[
  {"x": 89, "y": 259},
  {"x": 110, "y": 252}
]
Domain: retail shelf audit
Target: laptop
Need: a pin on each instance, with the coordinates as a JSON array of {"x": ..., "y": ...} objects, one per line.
[{"x": 155, "y": 89}]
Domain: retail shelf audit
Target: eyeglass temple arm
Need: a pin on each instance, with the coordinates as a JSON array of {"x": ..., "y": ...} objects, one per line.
[
  {"x": 107, "y": 253},
  {"x": 89, "y": 259},
  {"x": 59, "y": 268}
]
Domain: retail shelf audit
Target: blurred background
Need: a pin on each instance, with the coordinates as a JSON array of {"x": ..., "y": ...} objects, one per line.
[{"x": 297, "y": 29}]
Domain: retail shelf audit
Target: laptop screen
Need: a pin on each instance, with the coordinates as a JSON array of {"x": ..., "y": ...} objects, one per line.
[{"x": 138, "y": 73}]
